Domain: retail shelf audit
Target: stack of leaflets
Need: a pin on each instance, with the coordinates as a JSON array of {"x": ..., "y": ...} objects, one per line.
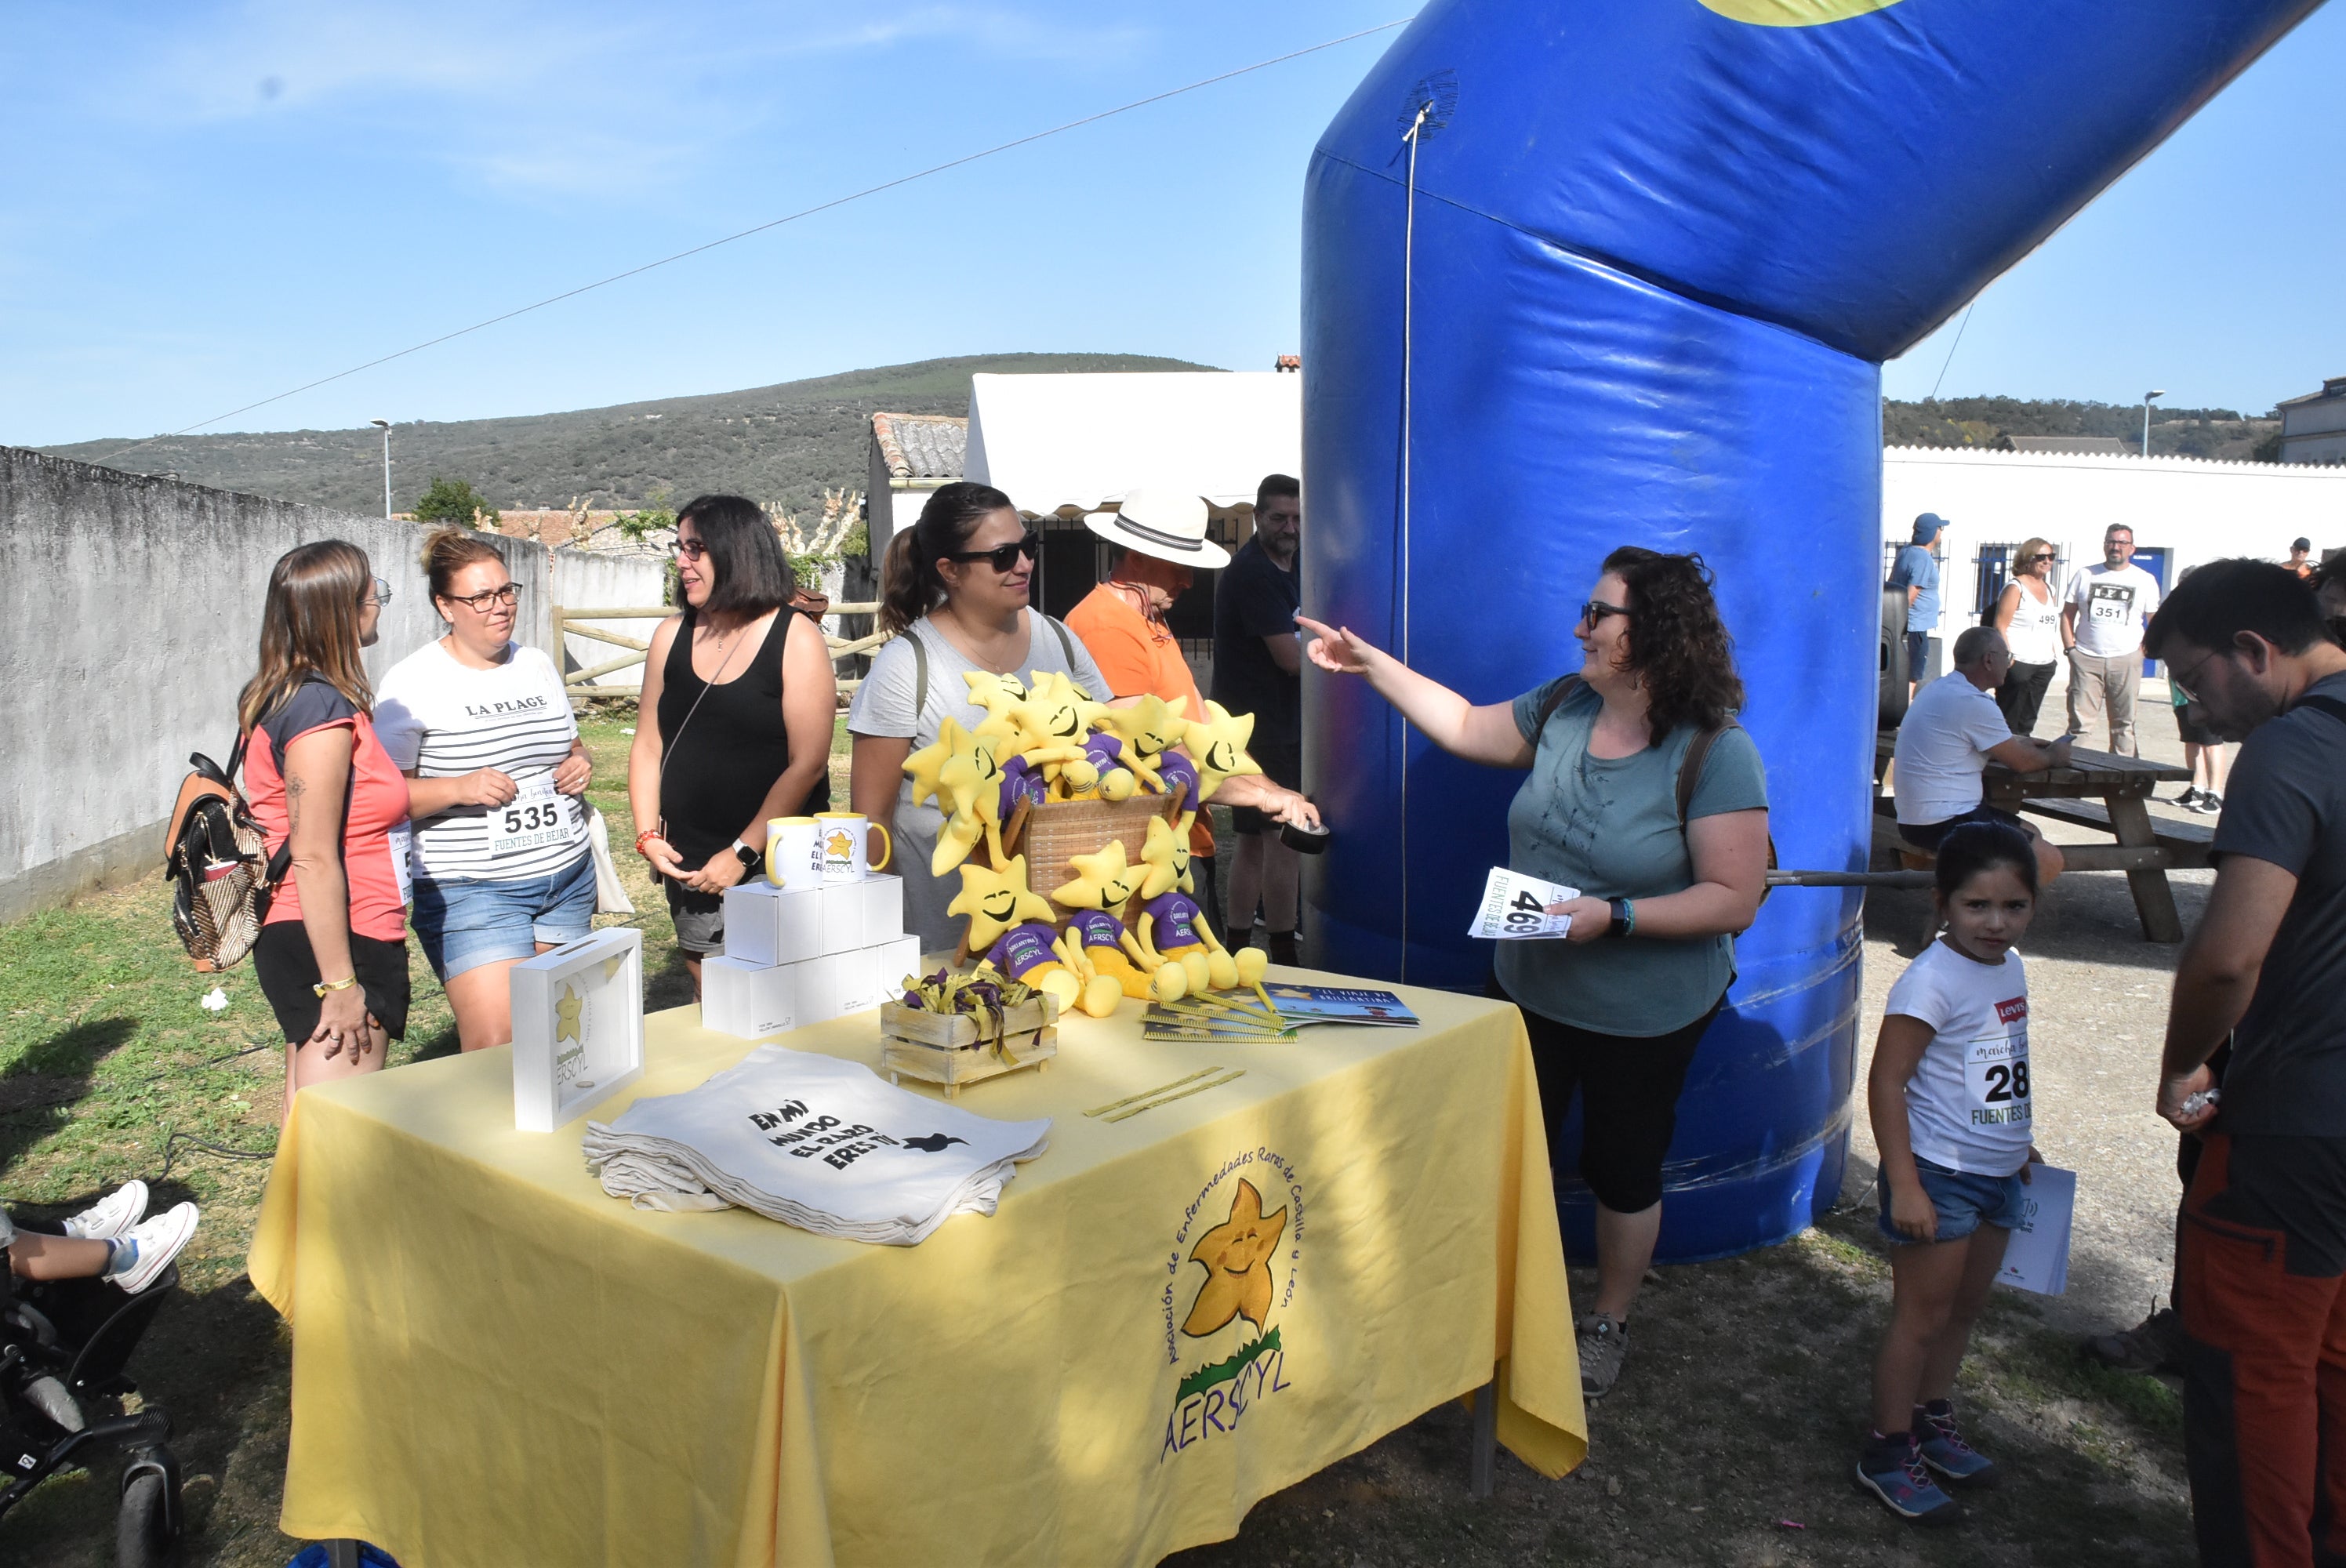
[{"x": 1272, "y": 1011}]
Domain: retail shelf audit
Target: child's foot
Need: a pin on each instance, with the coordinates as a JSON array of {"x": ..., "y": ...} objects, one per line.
[
  {"x": 1944, "y": 1448},
  {"x": 111, "y": 1216},
  {"x": 1892, "y": 1469},
  {"x": 152, "y": 1244},
  {"x": 1604, "y": 1346}
]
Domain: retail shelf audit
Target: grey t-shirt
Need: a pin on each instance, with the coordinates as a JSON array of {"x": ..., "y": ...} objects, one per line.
[
  {"x": 2286, "y": 804},
  {"x": 884, "y": 706},
  {"x": 1609, "y": 826}
]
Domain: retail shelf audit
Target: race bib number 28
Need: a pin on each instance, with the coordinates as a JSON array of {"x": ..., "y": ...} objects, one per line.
[{"x": 1995, "y": 1072}]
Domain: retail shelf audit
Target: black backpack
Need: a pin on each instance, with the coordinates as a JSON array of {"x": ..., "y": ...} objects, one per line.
[{"x": 219, "y": 888}]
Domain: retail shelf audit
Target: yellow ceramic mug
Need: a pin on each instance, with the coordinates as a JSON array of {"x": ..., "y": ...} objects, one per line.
[
  {"x": 846, "y": 844},
  {"x": 793, "y": 851}
]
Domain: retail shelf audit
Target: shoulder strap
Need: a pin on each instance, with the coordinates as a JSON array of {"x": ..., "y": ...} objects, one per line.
[
  {"x": 1066, "y": 644},
  {"x": 920, "y": 674},
  {"x": 1690, "y": 766},
  {"x": 1564, "y": 688}
]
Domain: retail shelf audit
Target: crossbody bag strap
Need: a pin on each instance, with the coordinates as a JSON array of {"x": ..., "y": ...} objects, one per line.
[
  {"x": 920, "y": 675},
  {"x": 1564, "y": 688},
  {"x": 2329, "y": 705},
  {"x": 1066, "y": 642},
  {"x": 1690, "y": 766}
]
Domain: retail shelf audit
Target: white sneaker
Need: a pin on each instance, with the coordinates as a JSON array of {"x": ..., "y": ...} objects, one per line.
[
  {"x": 111, "y": 1216},
  {"x": 161, "y": 1240}
]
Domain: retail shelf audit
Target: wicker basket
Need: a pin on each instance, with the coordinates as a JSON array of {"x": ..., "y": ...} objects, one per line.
[{"x": 1057, "y": 831}]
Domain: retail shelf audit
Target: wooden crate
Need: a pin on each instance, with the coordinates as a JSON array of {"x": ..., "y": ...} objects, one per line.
[{"x": 955, "y": 1048}]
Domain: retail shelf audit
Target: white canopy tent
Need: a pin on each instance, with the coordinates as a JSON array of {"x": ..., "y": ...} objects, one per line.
[{"x": 1062, "y": 445}]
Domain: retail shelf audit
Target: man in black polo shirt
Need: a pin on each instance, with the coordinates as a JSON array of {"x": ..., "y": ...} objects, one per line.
[
  {"x": 2262, "y": 1265},
  {"x": 1258, "y": 669}
]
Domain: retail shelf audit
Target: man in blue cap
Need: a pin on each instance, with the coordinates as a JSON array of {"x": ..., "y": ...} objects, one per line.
[{"x": 1917, "y": 572}]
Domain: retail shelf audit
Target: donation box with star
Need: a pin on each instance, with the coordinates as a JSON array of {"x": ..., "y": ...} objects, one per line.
[{"x": 578, "y": 1027}]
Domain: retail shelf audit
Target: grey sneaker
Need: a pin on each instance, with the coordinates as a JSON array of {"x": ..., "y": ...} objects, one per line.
[
  {"x": 1604, "y": 1346},
  {"x": 2209, "y": 804},
  {"x": 2153, "y": 1345}
]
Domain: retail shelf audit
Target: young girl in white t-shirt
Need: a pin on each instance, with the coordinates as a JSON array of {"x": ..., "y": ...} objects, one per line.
[{"x": 1949, "y": 1095}]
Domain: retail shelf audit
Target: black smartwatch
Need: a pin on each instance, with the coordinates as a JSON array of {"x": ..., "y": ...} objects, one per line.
[
  {"x": 750, "y": 859},
  {"x": 1624, "y": 918}
]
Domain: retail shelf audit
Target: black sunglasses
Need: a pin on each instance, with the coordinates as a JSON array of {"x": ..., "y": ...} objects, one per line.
[
  {"x": 1002, "y": 557},
  {"x": 1594, "y": 611}
]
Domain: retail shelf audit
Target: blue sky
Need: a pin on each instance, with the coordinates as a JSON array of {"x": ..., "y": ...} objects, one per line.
[{"x": 205, "y": 205}]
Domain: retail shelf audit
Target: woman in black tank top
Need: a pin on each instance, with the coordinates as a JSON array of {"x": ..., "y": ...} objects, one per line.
[{"x": 720, "y": 756}]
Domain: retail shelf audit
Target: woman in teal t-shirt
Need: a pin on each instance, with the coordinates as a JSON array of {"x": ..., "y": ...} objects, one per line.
[{"x": 1616, "y": 1008}]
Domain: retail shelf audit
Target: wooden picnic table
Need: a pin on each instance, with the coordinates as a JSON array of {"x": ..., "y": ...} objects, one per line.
[{"x": 2144, "y": 850}]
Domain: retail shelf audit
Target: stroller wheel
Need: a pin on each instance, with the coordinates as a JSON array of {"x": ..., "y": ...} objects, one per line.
[{"x": 143, "y": 1536}]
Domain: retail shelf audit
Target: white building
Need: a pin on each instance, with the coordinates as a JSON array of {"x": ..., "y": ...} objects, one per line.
[
  {"x": 2183, "y": 511},
  {"x": 2313, "y": 427}
]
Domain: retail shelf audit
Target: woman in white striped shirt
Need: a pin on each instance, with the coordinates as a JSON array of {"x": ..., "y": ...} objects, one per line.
[{"x": 483, "y": 729}]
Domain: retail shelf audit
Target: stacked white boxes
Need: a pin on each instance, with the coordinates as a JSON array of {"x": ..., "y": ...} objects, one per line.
[{"x": 795, "y": 956}]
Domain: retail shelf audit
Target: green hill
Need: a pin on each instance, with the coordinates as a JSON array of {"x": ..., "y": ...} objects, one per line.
[
  {"x": 783, "y": 443},
  {"x": 1992, "y": 422}
]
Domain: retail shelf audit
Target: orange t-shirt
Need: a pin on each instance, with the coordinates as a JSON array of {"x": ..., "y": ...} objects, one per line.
[{"x": 1139, "y": 657}]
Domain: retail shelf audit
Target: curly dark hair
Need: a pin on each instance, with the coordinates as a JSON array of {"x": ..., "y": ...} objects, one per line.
[{"x": 1677, "y": 647}]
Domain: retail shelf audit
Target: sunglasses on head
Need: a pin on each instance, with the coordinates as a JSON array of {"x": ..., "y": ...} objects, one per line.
[{"x": 1004, "y": 557}]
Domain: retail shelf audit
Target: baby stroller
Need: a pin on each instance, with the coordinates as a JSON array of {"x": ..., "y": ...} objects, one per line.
[{"x": 62, "y": 1347}]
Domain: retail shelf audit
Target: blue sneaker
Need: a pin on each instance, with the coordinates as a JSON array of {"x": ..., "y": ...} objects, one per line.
[
  {"x": 1944, "y": 1450},
  {"x": 1892, "y": 1469}
]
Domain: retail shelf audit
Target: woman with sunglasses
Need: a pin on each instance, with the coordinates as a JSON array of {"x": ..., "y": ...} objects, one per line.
[
  {"x": 483, "y": 729},
  {"x": 332, "y": 954},
  {"x": 1617, "y": 1006},
  {"x": 954, "y": 591},
  {"x": 2028, "y": 614},
  {"x": 741, "y": 697}
]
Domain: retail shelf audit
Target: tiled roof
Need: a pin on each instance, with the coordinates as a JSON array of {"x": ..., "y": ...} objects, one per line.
[
  {"x": 920, "y": 446},
  {"x": 2102, "y": 443}
]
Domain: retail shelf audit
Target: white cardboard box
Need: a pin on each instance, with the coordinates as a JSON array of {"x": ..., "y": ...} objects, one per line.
[
  {"x": 768, "y": 925},
  {"x": 880, "y": 976},
  {"x": 751, "y": 1000},
  {"x": 883, "y": 910},
  {"x": 578, "y": 1027}
]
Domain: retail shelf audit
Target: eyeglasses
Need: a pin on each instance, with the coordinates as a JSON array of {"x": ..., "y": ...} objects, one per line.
[
  {"x": 1594, "y": 611},
  {"x": 2188, "y": 685},
  {"x": 479, "y": 603},
  {"x": 381, "y": 594},
  {"x": 1002, "y": 557},
  {"x": 690, "y": 549}
]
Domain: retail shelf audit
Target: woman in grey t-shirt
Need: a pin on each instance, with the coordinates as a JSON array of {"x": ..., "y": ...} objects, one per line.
[
  {"x": 1616, "y": 1008},
  {"x": 954, "y": 586}
]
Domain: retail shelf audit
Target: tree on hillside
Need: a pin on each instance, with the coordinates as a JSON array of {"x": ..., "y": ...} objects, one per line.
[{"x": 455, "y": 501}]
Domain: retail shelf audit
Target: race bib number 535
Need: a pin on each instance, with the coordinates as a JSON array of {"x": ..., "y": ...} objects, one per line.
[{"x": 533, "y": 819}]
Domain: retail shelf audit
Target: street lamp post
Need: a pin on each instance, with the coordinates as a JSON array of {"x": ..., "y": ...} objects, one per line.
[
  {"x": 2146, "y": 420},
  {"x": 384, "y": 425}
]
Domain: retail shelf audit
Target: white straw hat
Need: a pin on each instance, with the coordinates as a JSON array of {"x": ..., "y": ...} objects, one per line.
[{"x": 1166, "y": 523}]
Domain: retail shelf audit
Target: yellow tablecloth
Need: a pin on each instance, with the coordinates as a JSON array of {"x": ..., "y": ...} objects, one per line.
[{"x": 493, "y": 1363}]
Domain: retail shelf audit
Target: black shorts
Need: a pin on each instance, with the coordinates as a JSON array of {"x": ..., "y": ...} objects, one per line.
[
  {"x": 2194, "y": 734},
  {"x": 288, "y": 969},
  {"x": 1282, "y": 765},
  {"x": 1629, "y": 1089},
  {"x": 698, "y": 918},
  {"x": 1929, "y": 835}
]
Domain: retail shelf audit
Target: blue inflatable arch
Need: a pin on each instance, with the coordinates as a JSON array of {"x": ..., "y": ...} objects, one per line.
[{"x": 1655, "y": 251}]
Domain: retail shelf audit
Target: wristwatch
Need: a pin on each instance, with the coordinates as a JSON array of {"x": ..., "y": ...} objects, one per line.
[
  {"x": 1625, "y": 917},
  {"x": 750, "y": 859}
]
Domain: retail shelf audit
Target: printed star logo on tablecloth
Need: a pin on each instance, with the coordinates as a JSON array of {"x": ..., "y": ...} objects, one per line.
[
  {"x": 565, "y": 1016},
  {"x": 1237, "y": 1259}
]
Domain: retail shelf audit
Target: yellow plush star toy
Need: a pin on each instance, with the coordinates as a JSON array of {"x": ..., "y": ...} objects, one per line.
[
  {"x": 1217, "y": 746},
  {"x": 996, "y": 901},
  {"x": 922, "y": 765},
  {"x": 997, "y": 694},
  {"x": 1106, "y": 881},
  {"x": 1167, "y": 856},
  {"x": 969, "y": 789},
  {"x": 1146, "y": 728}
]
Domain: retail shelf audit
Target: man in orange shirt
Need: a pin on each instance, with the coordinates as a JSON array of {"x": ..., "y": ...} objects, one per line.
[{"x": 1159, "y": 541}]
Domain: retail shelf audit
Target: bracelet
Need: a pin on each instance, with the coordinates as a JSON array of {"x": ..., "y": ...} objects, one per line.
[
  {"x": 648, "y": 833},
  {"x": 1625, "y": 917},
  {"x": 323, "y": 986}
]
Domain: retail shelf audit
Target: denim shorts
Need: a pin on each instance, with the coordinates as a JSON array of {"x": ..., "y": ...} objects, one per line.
[
  {"x": 1962, "y": 1199},
  {"x": 463, "y": 925}
]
